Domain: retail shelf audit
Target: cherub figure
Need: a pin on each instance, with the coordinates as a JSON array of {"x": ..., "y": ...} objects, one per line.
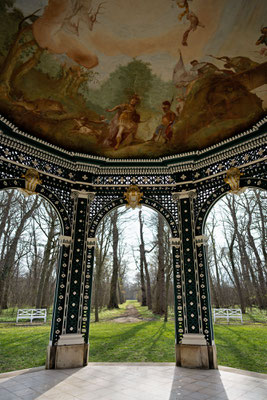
[
  {"x": 194, "y": 23},
  {"x": 191, "y": 17},
  {"x": 183, "y": 4}
]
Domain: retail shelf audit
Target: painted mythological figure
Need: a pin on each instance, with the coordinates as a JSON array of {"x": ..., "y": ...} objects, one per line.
[
  {"x": 263, "y": 40},
  {"x": 124, "y": 123},
  {"x": 165, "y": 128}
]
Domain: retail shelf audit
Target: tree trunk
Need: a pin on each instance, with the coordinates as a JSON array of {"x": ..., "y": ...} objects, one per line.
[
  {"x": 103, "y": 243},
  {"x": 11, "y": 252},
  {"x": 160, "y": 299},
  {"x": 262, "y": 227},
  {"x": 113, "y": 300},
  {"x": 262, "y": 285},
  {"x": 5, "y": 212},
  {"x": 142, "y": 281},
  {"x": 13, "y": 55},
  {"x": 42, "y": 287},
  {"x": 232, "y": 259},
  {"x": 27, "y": 66},
  {"x": 146, "y": 293},
  {"x": 167, "y": 295}
]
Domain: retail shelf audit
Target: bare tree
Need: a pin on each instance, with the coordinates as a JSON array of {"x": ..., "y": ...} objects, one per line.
[
  {"x": 160, "y": 290},
  {"x": 240, "y": 223},
  {"x": 103, "y": 244}
]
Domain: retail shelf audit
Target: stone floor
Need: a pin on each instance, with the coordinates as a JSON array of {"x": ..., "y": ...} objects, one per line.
[{"x": 140, "y": 381}]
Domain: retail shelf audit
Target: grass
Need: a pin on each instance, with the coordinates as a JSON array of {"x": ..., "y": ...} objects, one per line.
[
  {"x": 105, "y": 314},
  {"x": 242, "y": 346},
  {"x": 238, "y": 346},
  {"x": 143, "y": 341},
  {"x": 22, "y": 347}
]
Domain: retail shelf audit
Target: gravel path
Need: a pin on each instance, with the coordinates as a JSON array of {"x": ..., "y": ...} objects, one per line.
[{"x": 131, "y": 315}]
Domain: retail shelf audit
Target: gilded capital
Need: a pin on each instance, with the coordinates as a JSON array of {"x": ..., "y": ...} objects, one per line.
[
  {"x": 65, "y": 240},
  {"x": 82, "y": 194},
  {"x": 201, "y": 240},
  {"x": 189, "y": 194}
]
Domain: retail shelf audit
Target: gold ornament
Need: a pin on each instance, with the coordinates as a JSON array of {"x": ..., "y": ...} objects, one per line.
[
  {"x": 233, "y": 180},
  {"x": 133, "y": 197},
  {"x": 32, "y": 179}
]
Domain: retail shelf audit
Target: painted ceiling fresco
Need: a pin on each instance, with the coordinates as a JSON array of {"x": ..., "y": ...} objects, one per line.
[{"x": 133, "y": 78}]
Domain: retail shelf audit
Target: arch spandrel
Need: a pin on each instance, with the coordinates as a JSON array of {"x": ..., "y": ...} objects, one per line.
[
  {"x": 118, "y": 202},
  {"x": 216, "y": 195},
  {"x": 47, "y": 195}
]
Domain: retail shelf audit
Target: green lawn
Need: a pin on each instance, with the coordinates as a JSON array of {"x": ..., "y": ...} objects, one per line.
[
  {"x": 242, "y": 346},
  {"x": 238, "y": 346}
]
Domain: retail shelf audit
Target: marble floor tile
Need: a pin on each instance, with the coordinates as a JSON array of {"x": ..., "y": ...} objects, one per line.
[{"x": 138, "y": 381}]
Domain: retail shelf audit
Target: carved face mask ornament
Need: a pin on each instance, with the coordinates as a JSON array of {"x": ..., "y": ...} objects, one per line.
[
  {"x": 233, "y": 180},
  {"x": 133, "y": 197}
]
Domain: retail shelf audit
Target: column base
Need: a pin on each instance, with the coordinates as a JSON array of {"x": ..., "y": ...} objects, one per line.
[
  {"x": 66, "y": 354},
  {"x": 195, "y": 355}
]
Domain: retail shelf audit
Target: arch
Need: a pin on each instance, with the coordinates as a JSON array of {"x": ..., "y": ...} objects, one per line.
[
  {"x": 146, "y": 201},
  {"x": 256, "y": 183},
  {"x": 47, "y": 195}
]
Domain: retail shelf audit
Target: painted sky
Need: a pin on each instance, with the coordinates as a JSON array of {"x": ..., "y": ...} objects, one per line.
[{"x": 151, "y": 31}]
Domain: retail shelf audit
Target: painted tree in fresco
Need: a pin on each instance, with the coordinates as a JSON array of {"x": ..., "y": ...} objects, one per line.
[
  {"x": 23, "y": 51},
  {"x": 126, "y": 80}
]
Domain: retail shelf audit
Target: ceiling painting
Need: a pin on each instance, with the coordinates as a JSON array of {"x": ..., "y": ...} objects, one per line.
[{"x": 133, "y": 79}]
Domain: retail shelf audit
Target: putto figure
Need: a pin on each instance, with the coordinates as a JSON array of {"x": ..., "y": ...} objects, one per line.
[{"x": 165, "y": 128}]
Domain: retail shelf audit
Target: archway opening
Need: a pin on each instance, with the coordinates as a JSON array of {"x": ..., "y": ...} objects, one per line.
[
  {"x": 236, "y": 258},
  {"x": 29, "y": 248},
  {"x": 132, "y": 288}
]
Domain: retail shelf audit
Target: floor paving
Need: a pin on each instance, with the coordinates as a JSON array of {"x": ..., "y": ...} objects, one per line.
[{"x": 133, "y": 381}]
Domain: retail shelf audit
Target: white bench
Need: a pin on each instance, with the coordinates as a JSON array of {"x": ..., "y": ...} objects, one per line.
[
  {"x": 31, "y": 313},
  {"x": 227, "y": 313}
]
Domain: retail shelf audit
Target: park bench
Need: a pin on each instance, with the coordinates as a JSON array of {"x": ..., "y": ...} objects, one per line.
[
  {"x": 227, "y": 313},
  {"x": 31, "y": 313}
]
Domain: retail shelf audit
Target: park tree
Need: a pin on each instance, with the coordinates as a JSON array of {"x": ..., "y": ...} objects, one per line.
[
  {"x": 102, "y": 250},
  {"x": 29, "y": 229},
  {"x": 236, "y": 251},
  {"x": 160, "y": 290}
]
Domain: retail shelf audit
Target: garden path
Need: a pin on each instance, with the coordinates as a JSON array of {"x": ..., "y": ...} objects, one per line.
[{"x": 131, "y": 315}]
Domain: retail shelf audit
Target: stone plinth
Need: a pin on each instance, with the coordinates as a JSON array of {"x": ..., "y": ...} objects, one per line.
[
  {"x": 194, "y": 352},
  {"x": 70, "y": 352}
]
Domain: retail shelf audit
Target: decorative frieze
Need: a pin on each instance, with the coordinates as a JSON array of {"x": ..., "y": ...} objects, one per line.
[{"x": 186, "y": 163}]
